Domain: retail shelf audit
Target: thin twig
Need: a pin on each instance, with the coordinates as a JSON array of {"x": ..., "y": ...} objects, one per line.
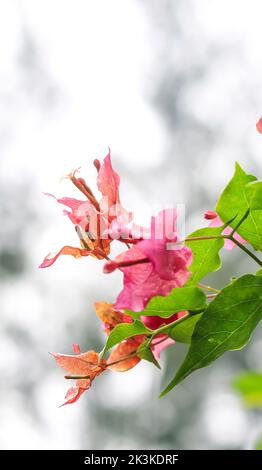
[{"x": 204, "y": 286}]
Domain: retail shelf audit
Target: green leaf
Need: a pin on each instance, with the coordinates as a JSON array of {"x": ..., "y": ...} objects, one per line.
[
  {"x": 182, "y": 333},
  {"x": 144, "y": 352},
  {"x": 233, "y": 200},
  {"x": 259, "y": 272},
  {"x": 226, "y": 324},
  {"x": 236, "y": 199},
  {"x": 124, "y": 331},
  {"x": 205, "y": 253},
  {"x": 254, "y": 194},
  {"x": 249, "y": 385},
  {"x": 182, "y": 298}
]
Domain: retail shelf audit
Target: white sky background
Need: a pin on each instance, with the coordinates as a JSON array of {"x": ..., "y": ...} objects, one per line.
[{"x": 102, "y": 58}]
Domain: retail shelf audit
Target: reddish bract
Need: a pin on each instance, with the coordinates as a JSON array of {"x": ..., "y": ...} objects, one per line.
[
  {"x": 117, "y": 361},
  {"x": 82, "y": 367},
  {"x": 110, "y": 316},
  {"x": 66, "y": 250}
]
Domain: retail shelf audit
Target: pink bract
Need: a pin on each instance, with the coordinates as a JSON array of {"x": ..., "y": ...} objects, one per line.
[
  {"x": 108, "y": 181},
  {"x": 92, "y": 218},
  {"x": 153, "y": 268},
  {"x": 217, "y": 222}
]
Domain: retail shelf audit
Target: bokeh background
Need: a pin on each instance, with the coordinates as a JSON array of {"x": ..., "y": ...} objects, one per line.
[{"x": 174, "y": 88}]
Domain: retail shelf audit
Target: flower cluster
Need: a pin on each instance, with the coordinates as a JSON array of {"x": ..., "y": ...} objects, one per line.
[
  {"x": 153, "y": 263},
  {"x": 163, "y": 299}
]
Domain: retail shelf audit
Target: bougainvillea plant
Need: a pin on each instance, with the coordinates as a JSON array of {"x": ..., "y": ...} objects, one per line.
[{"x": 163, "y": 299}]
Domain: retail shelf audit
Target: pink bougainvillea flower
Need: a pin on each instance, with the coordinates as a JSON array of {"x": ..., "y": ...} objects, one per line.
[
  {"x": 141, "y": 282},
  {"x": 93, "y": 219},
  {"x": 83, "y": 367},
  {"x": 259, "y": 125},
  {"x": 217, "y": 222},
  {"x": 149, "y": 267},
  {"x": 169, "y": 262}
]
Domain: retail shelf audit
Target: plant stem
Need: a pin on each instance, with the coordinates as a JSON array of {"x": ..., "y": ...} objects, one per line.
[
  {"x": 240, "y": 222},
  {"x": 205, "y": 237},
  {"x": 165, "y": 328},
  {"x": 134, "y": 353},
  {"x": 76, "y": 377},
  {"x": 195, "y": 239},
  {"x": 244, "y": 248},
  {"x": 229, "y": 237},
  {"x": 204, "y": 286}
]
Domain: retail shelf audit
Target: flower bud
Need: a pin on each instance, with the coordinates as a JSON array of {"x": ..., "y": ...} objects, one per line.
[{"x": 209, "y": 215}]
